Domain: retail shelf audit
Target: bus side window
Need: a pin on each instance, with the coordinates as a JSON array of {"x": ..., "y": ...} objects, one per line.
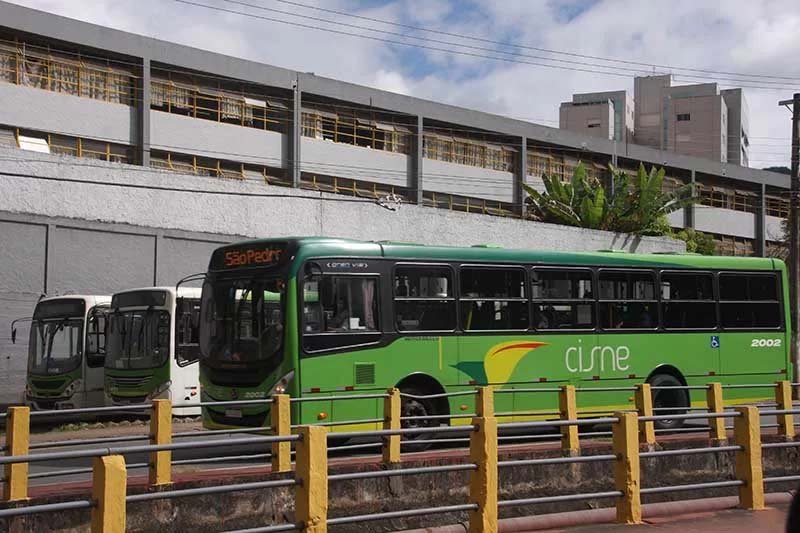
[
  {"x": 749, "y": 300},
  {"x": 424, "y": 299},
  {"x": 340, "y": 311},
  {"x": 187, "y": 320},
  {"x": 96, "y": 329}
]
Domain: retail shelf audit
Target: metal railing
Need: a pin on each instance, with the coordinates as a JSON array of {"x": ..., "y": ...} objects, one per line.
[{"x": 311, "y": 478}]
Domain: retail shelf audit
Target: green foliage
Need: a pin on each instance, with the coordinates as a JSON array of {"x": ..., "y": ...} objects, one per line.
[
  {"x": 697, "y": 241},
  {"x": 635, "y": 204}
]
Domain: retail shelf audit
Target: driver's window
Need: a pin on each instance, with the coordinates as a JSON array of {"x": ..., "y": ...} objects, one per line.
[{"x": 96, "y": 338}]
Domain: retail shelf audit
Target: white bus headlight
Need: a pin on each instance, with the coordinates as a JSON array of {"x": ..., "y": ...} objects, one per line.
[
  {"x": 160, "y": 390},
  {"x": 282, "y": 385},
  {"x": 72, "y": 388}
]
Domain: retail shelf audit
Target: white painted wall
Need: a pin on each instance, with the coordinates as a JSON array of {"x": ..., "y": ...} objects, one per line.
[
  {"x": 217, "y": 140},
  {"x": 465, "y": 180},
  {"x": 774, "y": 228},
  {"x": 725, "y": 221},
  {"x": 354, "y": 162},
  {"x": 38, "y": 109}
]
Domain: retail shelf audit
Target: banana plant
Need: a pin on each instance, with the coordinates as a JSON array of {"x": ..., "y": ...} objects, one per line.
[{"x": 635, "y": 204}]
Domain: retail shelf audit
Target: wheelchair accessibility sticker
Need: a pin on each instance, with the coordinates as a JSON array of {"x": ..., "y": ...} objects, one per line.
[{"x": 715, "y": 341}]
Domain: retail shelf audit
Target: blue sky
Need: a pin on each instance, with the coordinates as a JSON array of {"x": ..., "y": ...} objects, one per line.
[{"x": 735, "y": 36}]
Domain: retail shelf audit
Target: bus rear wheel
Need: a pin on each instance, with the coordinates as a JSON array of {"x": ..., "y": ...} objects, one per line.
[
  {"x": 415, "y": 413},
  {"x": 667, "y": 401}
]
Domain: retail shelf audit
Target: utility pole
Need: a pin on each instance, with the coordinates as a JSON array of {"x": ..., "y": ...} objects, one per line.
[{"x": 794, "y": 232}]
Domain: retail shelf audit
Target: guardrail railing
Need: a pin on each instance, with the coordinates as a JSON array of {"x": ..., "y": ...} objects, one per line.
[{"x": 629, "y": 430}]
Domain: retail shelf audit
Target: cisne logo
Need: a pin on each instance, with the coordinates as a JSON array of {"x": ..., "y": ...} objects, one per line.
[
  {"x": 499, "y": 362},
  {"x": 615, "y": 358}
]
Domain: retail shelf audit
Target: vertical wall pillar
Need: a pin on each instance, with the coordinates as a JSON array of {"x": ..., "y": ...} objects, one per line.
[
  {"x": 688, "y": 211},
  {"x": 415, "y": 182},
  {"x": 761, "y": 222},
  {"x": 143, "y": 107},
  {"x": 520, "y": 177},
  {"x": 293, "y": 164}
]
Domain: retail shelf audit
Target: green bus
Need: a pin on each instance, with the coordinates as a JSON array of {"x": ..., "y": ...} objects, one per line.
[{"x": 360, "y": 317}]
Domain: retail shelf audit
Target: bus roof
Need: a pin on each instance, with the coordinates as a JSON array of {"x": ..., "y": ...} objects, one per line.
[
  {"x": 91, "y": 298},
  {"x": 310, "y": 247}
]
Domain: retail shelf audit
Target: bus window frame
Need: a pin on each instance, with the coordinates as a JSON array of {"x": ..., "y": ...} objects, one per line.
[
  {"x": 456, "y": 282},
  {"x": 379, "y": 332},
  {"x": 714, "y": 300},
  {"x": 179, "y": 316},
  {"x": 593, "y": 301},
  {"x": 526, "y": 280},
  {"x": 656, "y": 300},
  {"x": 776, "y": 274}
]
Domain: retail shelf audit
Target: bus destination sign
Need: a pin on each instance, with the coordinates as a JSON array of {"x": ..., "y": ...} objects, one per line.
[{"x": 262, "y": 255}]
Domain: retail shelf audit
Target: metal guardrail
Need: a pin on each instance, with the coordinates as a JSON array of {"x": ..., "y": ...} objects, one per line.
[{"x": 628, "y": 428}]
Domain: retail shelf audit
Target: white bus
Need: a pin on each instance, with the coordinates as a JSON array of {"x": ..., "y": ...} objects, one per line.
[
  {"x": 153, "y": 347},
  {"x": 66, "y": 352}
]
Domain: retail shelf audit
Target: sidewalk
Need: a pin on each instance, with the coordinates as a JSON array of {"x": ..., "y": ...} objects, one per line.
[{"x": 772, "y": 519}]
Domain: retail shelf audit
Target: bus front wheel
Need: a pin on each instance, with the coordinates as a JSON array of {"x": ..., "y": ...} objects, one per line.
[
  {"x": 668, "y": 400},
  {"x": 415, "y": 413}
]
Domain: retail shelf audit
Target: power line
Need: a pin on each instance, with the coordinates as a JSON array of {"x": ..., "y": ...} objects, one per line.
[
  {"x": 478, "y": 48},
  {"x": 527, "y": 47},
  {"x": 437, "y": 49}
]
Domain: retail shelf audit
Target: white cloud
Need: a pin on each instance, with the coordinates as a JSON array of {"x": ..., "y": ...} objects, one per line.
[{"x": 731, "y": 36}]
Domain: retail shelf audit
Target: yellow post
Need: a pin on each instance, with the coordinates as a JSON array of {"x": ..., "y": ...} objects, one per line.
[
  {"x": 281, "y": 421},
  {"x": 391, "y": 421},
  {"x": 15, "y": 486},
  {"x": 161, "y": 433},
  {"x": 715, "y": 405},
  {"x": 311, "y": 494},
  {"x": 626, "y": 468},
  {"x": 747, "y": 434},
  {"x": 783, "y": 397},
  {"x": 644, "y": 407},
  {"x": 484, "y": 401},
  {"x": 109, "y": 484},
  {"x": 483, "y": 481},
  {"x": 568, "y": 409}
]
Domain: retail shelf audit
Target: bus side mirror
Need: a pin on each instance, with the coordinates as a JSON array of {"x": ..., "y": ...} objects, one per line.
[{"x": 13, "y": 335}]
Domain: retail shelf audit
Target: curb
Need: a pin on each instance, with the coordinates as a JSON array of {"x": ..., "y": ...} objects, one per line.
[{"x": 607, "y": 515}]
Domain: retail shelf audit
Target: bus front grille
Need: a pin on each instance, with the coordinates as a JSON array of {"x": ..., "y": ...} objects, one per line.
[{"x": 129, "y": 382}]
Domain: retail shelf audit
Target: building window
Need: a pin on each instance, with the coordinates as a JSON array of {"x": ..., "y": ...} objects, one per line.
[
  {"x": 684, "y": 117},
  {"x": 593, "y": 124}
]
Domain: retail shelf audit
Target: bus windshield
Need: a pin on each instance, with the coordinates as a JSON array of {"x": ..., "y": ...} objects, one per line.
[
  {"x": 242, "y": 320},
  {"x": 55, "y": 345},
  {"x": 138, "y": 339}
]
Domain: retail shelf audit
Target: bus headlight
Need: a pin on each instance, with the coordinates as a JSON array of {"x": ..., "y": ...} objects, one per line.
[
  {"x": 72, "y": 388},
  {"x": 160, "y": 390},
  {"x": 282, "y": 385}
]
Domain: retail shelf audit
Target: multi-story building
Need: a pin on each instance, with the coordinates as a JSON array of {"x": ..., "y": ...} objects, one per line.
[
  {"x": 607, "y": 114},
  {"x": 696, "y": 120},
  {"x": 85, "y": 91}
]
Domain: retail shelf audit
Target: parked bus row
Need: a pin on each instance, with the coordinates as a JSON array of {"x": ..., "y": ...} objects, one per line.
[{"x": 127, "y": 348}]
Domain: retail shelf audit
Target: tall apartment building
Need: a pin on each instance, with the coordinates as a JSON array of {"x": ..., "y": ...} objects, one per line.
[
  {"x": 695, "y": 120},
  {"x": 607, "y": 114}
]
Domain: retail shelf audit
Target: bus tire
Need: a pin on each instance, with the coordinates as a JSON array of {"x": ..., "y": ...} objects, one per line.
[
  {"x": 670, "y": 401},
  {"x": 419, "y": 408}
]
